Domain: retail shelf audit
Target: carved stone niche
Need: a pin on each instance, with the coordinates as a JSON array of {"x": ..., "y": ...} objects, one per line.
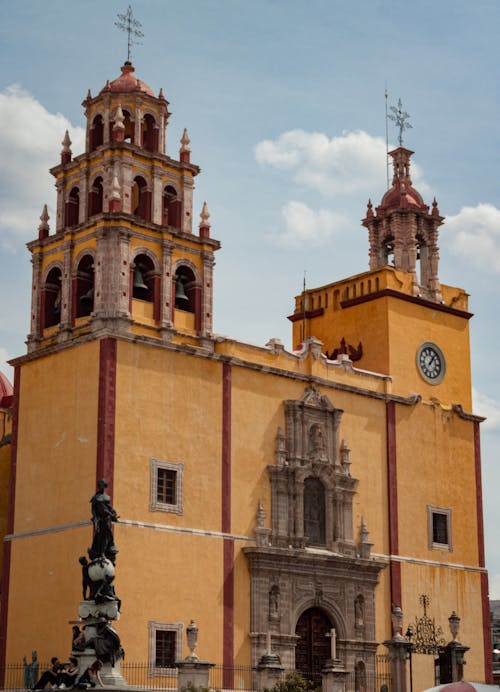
[{"x": 311, "y": 485}]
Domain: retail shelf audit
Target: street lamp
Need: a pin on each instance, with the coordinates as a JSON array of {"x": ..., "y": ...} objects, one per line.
[{"x": 409, "y": 635}]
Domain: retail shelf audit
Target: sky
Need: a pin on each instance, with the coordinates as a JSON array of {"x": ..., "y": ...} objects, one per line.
[{"x": 284, "y": 104}]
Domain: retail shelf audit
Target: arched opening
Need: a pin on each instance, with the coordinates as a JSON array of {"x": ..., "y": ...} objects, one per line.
[
  {"x": 314, "y": 511},
  {"x": 96, "y": 133},
  {"x": 96, "y": 197},
  {"x": 143, "y": 284},
  {"x": 129, "y": 127},
  {"x": 171, "y": 208},
  {"x": 388, "y": 251},
  {"x": 314, "y": 646},
  {"x": 51, "y": 297},
  {"x": 141, "y": 199},
  {"x": 149, "y": 132},
  {"x": 360, "y": 677},
  {"x": 184, "y": 286},
  {"x": 72, "y": 211},
  {"x": 83, "y": 297}
]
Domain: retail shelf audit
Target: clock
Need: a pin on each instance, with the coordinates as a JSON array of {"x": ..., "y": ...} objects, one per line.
[{"x": 431, "y": 363}]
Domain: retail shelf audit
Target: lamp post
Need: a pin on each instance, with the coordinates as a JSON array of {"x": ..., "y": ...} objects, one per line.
[{"x": 409, "y": 635}]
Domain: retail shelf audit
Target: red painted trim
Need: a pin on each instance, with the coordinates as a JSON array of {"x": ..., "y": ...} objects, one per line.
[
  {"x": 392, "y": 491},
  {"x": 391, "y": 293},
  {"x": 479, "y": 495},
  {"x": 228, "y": 566},
  {"x": 74, "y": 299},
  {"x": 487, "y": 645},
  {"x": 226, "y": 448},
  {"x": 197, "y": 308},
  {"x": 156, "y": 298},
  {"x": 106, "y": 412},
  {"x": 41, "y": 325},
  {"x": 7, "y": 546},
  {"x": 297, "y": 316},
  {"x": 228, "y": 620}
]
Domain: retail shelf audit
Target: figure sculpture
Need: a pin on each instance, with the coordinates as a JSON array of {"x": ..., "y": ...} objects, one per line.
[{"x": 103, "y": 517}]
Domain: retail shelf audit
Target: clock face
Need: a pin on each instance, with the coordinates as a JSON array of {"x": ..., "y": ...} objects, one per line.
[{"x": 431, "y": 363}]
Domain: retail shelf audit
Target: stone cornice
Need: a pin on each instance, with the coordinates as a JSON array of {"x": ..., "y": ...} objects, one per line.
[{"x": 391, "y": 293}]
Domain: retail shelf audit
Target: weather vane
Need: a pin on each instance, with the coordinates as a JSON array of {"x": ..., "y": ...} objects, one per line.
[
  {"x": 400, "y": 117},
  {"x": 126, "y": 22}
]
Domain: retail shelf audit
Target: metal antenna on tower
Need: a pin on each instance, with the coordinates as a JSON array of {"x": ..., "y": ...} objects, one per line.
[
  {"x": 400, "y": 117},
  {"x": 126, "y": 22},
  {"x": 386, "y": 138}
]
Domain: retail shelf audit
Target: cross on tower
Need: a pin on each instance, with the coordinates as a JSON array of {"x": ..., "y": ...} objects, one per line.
[
  {"x": 126, "y": 22},
  {"x": 400, "y": 117}
]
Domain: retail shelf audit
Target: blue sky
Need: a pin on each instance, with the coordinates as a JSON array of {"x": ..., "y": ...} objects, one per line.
[{"x": 284, "y": 103}]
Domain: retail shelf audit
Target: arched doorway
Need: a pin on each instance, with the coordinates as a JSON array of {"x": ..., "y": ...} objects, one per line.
[{"x": 313, "y": 646}]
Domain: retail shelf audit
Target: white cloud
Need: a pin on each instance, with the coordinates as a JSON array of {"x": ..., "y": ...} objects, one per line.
[
  {"x": 352, "y": 162},
  {"x": 304, "y": 226},
  {"x": 494, "y": 587},
  {"x": 485, "y": 406},
  {"x": 474, "y": 233},
  {"x": 30, "y": 144}
]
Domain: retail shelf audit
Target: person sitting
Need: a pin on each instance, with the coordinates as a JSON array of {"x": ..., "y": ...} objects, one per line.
[
  {"x": 91, "y": 677},
  {"x": 78, "y": 641},
  {"x": 67, "y": 677},
  {"x": 50, "y": 675}
]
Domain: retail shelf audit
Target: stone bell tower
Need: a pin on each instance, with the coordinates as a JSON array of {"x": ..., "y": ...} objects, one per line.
[
  {"x": 123, "y": 258},
  {"x": 402, "y": 228}
]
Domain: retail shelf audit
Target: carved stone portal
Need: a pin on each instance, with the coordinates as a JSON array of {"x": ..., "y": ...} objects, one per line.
[{"x": 307, "y": 569}]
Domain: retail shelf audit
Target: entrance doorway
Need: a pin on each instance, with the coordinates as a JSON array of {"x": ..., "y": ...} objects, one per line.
[{"x": 313, "y": 646}]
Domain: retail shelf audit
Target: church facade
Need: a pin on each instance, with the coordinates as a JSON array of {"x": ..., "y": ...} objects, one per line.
[{"x": 259, "y": 490}]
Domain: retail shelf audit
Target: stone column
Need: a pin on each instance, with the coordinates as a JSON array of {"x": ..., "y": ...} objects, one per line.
[
  {"x": 34, "y": 336},
  {"x": 60, "y": 206},
  {"x": 166, "y": 297},
  {"x": 66, "y": 293},
  {"x": 399, "y": 648},
  {"x": 269, "y": 669}
]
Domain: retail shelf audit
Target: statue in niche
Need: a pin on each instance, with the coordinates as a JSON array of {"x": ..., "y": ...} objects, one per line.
[
  {"x": 317, "y": 444},
  {"x": 359, "y": 611},
  {"x": 274, "y": 603},
  {"x": 314, "y": 511}
]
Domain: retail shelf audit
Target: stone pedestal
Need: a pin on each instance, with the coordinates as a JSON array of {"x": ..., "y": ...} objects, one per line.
[
  {"x": 398, "y": 654},
  {"x": 451, "y": 662},
  {"x": 193, "y": 671},
  {"x": 334, "y": 676},
  {"x": 269, "y": 671}
]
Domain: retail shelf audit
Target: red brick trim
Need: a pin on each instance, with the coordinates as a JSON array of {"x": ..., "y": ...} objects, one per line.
[
  {"x": 228, "y": 618},
  {"x": 7, "y": 546},
  {"x": 226, "y": 448},
  {"x": 392, "y": 492},
  {"x": 228, "y": 566},
  {"x": 391, "y": 293},
  {"x": 297, "y": 316},
  {"x": 487, "y": 645},
  {"x": 106, "y": 412}
]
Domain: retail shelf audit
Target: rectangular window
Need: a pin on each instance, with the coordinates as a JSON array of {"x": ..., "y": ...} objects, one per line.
[
  {"x": 166, "y": 486},
  {"x": 165, "y": 647},
  {"x": 439, "y": 528}
]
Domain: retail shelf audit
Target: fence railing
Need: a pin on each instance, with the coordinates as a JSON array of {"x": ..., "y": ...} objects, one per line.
[{"x": 221, "y": 678}]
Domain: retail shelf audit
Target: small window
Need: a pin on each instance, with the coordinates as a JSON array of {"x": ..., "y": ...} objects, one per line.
[
  {"x": 439, "y": 528},
  {"x": 166, "y": 486},
  {"x": 165, "y": 647}
]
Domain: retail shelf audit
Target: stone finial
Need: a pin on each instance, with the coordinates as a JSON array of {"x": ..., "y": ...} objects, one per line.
[
  {"x": 66, "y": 148},
  {"x": 260, "y": 516},
  {"x": 185, "y": 151},
  {"x": 435, "y": 210},
  {"x": 454, "y": 622},
  {"x": 107, "y": 86},
  {"x": 204, "y": 223},
  {"x": 364, "y": 544},
  {"x": 192, "y": 640},
  {"x": 89, "y": 95},
  {"x": 115, "y": 202},
  {"x": 369, "y": 209},
  {"x": 160, "y": 94},
  {"x": 345, "y": 458},
  {"x": 275, "y": 345},
  {"x": 44, "y": 228},
  {"x": 261, "y": 532},
  {"x": 397, "y": 622}
]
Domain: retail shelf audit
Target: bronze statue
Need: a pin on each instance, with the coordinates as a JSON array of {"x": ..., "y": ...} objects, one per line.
[{"x": 103, "y": 516}]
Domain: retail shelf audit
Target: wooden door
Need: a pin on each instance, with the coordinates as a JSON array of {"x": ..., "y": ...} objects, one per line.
[{"x": 313, "y": 646}]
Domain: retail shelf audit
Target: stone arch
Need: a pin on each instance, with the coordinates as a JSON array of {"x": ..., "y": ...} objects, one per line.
[
  {"x": 83, "y": 287},
  {"x": 96, "y": 131},
  {"x": 149, "y": 253},
  {"x": 72, "y": 207},
  {"x": 149, "y": 131},
  {"x": 331, "y": 609},
  {"x": 96, "y": 194},
  {"x": 51, "y": 295},
  {"x": 141, "y": 196},
  {"x": 171, "y": 206}
]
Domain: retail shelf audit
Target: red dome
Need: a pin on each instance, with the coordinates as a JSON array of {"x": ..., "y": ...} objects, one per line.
[
  {"x": 127, "y": 81},
  {"x": 6, "y": 392},
  {"x": 401, "y": 195}
]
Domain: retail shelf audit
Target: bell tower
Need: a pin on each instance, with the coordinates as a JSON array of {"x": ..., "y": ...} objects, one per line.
[
  {"x": 123, "y": 259},
  {"x": 402, "y": 230}
]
